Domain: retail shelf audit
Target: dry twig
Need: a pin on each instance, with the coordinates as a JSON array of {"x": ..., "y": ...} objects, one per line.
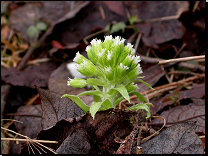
[
  {"x": 29, "y": 140},
  {"x": 160, "y": 89},
  {"x": 42, "y": 141},
  {"x": 163, "y": 18},
  {"x": 182, "y": 59},
  {"x": 181, "y": 64}
]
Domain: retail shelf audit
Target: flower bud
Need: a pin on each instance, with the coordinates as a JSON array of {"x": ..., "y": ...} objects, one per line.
[
  {"x": 91, "y": 54},
  {"x": 108, "y": 42},
  {"x": 131, "y": 87},
  {"x": 79, "y": 58},
  {"x": 87, "y": 68},
  {"x": 121, "y": 71},
  {"x": 77, "y": 83},
  {"x": 109, "y": 73},
  {"x": 133, "y": 74}
]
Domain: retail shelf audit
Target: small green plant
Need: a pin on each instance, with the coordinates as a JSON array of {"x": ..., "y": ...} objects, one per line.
[
  {"x": 113, "y": 68},
  {"x": 32, "y": 31},
  {"x": 133, "y": 19}
]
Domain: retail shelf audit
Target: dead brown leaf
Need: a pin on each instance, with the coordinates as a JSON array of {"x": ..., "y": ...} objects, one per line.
[{"x": 30, "y": 76}]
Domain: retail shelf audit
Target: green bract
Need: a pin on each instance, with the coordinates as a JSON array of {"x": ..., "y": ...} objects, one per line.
[{"x": 114, "y": 68}]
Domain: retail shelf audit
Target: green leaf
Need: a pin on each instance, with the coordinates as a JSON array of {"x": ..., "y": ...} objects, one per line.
[
  {"x": 41, "y": 26},
  {"x": 149, "y": 104},
  {"x": 94, "y": 108},
  {"x": 4, "y": 7},
  {"x": 107, "y": 28},
  {"x": 123, "y": 91},
  {"x": 118, "y": 100},
  {"x": 96, "y": 98},
  {"x": 133, "y": 19},
  {"x": 32, "y": 31},
  {"x": 95, "y": 87},
  {"x": 95, "y": 82},
  {"x": 78, "y": 101},
  {"x": 141, "y": 106},
  {"x": 145, "y": 84},
  {"x": 140, "y": 96},
  {"x": 106, "y": 104},
  {"x": 117, "y": 27},
  {"x": 93, "y": 92}
]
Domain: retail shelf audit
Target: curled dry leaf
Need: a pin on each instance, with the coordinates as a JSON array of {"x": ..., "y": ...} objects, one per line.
[
  {"x": 198, "y": 91},
  {"x": 184, "y": 112},
  {"x": 30, "y": 125},
  {"x": 30, "y": 76},
  {"x": 177, "y": 139},
  {"x": 55, "y": 108}
]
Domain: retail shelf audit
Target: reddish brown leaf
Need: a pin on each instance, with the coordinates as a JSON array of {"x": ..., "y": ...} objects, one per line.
[
  {"x": 184, "y": 112},
  {"x": 198, "y": 91},
  {"x": 161, "y": 31},
  {"x": 55, "y": 108},
  {"x": 116, "y": 6},
  {"x": 31, "y": 125},
  {"x": 152, "y": 75},
  {"x": 73, "y": 30},
  {"x": 177, "y": 139},
  {"x": 56, "y": 44},
  {"x": 30, "y": 76}
]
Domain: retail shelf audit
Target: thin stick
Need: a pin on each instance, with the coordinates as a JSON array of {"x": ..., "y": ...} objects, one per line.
[
  {"x": 139, "y": 135},
  {"x": 92, "y": 35},
  {"x": 36, "y": 148},
  {"x": 182, "y": 59},
  {"x": 163, "y": 18},
  {"x": 166, "y": 75},
  {"x": 40, "y": 148},
  {"x": 36, "y": 61},
  {"x": 32, "y": 99},
  {"x": 177, "y": 52},
  {"x": 52, "y": 150},
  {"x": 168, "y": 123},
  {"x": 31, "y": 148},
  {"x": 164, "y": 123},
  {"x": 137, "y": 41},
  {"x": 41, "y": 141},
  {"x": 195, "y": 6},
  {"x": 181, "y": 64},
  {"x": 20, "y": 114},
  {"x": 102, "y": 12},
  {"x": 166, "y": 87},
  {"x": 12, "y": 120}
]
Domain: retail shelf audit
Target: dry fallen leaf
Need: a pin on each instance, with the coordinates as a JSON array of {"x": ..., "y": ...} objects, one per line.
[
  {"x": 177, "y": 139},
  {"x": 55, "y": 108}
]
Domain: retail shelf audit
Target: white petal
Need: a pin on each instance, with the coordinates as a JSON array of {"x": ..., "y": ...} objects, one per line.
[
  {"x": 108, "y": 37},
  {"x": 76, "y": 57},
  {"x": 72, "y": 68},
  {"x": 107, "y": 69},
  {"x": 88, "y": 47}
]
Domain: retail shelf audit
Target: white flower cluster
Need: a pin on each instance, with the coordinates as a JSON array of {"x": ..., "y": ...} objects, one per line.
[{"x": 106, "y": 56}]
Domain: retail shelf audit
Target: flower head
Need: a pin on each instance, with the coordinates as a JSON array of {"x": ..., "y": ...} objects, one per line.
[
  {"x": 95, "y": 42},
  {"x": 111, "y": 65}
]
